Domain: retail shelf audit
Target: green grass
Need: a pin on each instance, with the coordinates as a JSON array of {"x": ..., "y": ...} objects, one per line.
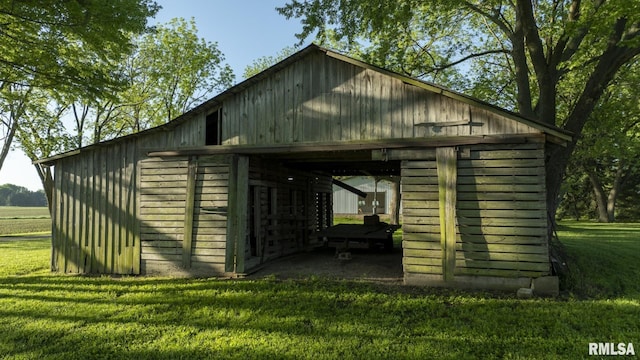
[
  {"x": 52, "y": 316},
  {"x": 604, "y": 258},
  {"x": 24, "y": 220}
]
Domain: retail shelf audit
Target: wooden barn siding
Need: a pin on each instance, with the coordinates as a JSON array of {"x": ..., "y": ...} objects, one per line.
[
  {"x": 286, "y": 224},
  {"x": 163, "y": 204},
  {"x": 94, "y": 220},
  {"x": 320, "y": 98},
  {"x": 500, "y": 214},
  {"x": 94, "y": 213}
]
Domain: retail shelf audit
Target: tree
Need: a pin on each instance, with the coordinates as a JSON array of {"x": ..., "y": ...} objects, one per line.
[
  {"x": 183, "y": 69},
  {"x": 13, "y": 195},
  {"x": 170, "y": 71},
  {"x": 53, "y": 44},
  {"x": 41, "y": 134},
  {"x": 607, "y": 154},
  {"x": 262, "y": 63},
  {"x": 538, "y": 47}
]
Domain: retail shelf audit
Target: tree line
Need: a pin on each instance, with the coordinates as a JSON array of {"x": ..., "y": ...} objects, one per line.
[{"x": 14, "y": 195}]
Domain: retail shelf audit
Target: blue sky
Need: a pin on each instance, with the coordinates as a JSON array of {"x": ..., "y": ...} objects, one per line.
[{"x": 244, "y": 30}]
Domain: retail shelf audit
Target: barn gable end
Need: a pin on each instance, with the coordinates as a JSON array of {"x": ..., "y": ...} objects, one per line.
[
  {"x": 246, "y": 177},
  {"x": 320, "y": 98}
]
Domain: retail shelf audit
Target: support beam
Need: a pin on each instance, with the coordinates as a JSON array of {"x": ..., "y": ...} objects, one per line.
[
  {"x": 349, "y": 188},
  {"x": 237, "y": 214},
  {"x": 192, "y": 172},
  {"x": 446, "y": 160}
]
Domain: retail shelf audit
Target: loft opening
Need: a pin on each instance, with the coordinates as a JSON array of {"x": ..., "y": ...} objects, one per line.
[{"x": 213, "y": 128}]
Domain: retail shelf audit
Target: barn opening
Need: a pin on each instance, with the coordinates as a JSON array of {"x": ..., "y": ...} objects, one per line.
[{"x": 326, "y": 235}]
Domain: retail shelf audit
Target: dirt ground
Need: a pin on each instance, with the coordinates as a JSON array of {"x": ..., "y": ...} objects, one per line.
[{"x": 364, "y": 265}]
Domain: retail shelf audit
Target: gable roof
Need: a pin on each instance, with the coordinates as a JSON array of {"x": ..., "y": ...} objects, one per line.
[{"x": 557, "y": 133}]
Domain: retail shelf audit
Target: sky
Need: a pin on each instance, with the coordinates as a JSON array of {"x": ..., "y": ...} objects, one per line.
[{"x": 243, "y": 29}]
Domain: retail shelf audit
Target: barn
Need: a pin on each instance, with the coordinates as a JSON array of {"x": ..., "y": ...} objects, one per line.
[
  {"x": 246, "y": 177},
  {"x": 378, "y": 197}
]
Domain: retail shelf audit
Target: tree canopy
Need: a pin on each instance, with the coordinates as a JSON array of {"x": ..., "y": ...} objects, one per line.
[
  {"x": 55, "y": 44},
  {"x": 549, "y": 60},
  {"x": 67, "y": 47},
  {"x": 168, "y": 71}
]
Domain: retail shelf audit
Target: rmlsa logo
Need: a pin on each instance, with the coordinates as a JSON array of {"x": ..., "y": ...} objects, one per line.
[{"x": 611, "y": 349}]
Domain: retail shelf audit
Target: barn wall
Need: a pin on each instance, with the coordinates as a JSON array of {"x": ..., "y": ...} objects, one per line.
[
  {"x": 172, "y": 241},
  {"x": 320, "y": 99},
  {"x": 500, "y": 214},
  {"x": 95, "y": 228},
  {"x": 94, "y": 212}
]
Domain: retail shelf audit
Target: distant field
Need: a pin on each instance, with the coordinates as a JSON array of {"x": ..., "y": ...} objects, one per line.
[
  {"x": 24, "y": 220},
  {"x": 17, "y": 212}
]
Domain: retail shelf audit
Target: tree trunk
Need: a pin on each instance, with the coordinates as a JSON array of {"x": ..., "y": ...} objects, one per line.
[
  {"x": 44, "y": 172},
  {"x": 7, "y": 142},
  {"x": 601, "y": 196},
  {"x": 613, "y": 194}
]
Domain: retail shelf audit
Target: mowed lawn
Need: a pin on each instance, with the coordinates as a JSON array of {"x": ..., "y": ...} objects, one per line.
[{"x": 50, "y": 316}]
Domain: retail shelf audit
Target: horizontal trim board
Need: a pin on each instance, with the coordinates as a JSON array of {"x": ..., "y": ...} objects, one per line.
[
  {"x": 477, "y": 239},
  {"x": 392, "y": 143}
]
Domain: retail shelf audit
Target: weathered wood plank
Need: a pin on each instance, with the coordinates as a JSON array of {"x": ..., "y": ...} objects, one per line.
[
  {"x": 511, "y": 163},
  {"x": 500, "y": 180},
  {"x": 419, "y": 212},
  {"x": 497, "y": 205},
  {"x": 211, "y": 242},
  {"x": 499, "y": 256},
  {"x": 209, "y": 259},
  {"x": 419, "y": 172},
  {"x": 218, "y": 252},
  {"x": 504, "y": 230},
  {"x": 500, "y": 222},
  {"x": 422, "y": 269},
  {"x": 502, "y": 188},
  {"x": 507, "y": 154},
  {"x": 423, "y": 245},
  {"x": 503, "y": 265},
  {"x": 188, "y": 212},
  {"x": 519, "y": 214},
  {"x": 425, "y": 181},
  {"x": 502, "y": 171},
  {"x": 412, "y": 196},
  {"x": 411, "y": 228},
  {"x": 421, "y": 220},
  {"x": 480, "y": 239},
  {"x": 499, "y": 273},
  {"x": 421, "y": 260},
  {"x": 163, "y": 257},
  {"x": 237, "y": 210},
  {"x": 447, "y": 177},
  {"x": 435, "y": 255},
  {"x": 500, "y": 196},
  {"x": 503, "y": 248}
]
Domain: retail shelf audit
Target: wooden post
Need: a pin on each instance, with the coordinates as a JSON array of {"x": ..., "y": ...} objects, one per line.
[
  {"x": 237, "y": 214},
  {"x": 446, "y": 160},
  {"x": 192, "y": 172}
]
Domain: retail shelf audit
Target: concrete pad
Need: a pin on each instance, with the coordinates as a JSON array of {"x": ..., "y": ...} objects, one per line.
[{"x": 546, "y": 286}]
